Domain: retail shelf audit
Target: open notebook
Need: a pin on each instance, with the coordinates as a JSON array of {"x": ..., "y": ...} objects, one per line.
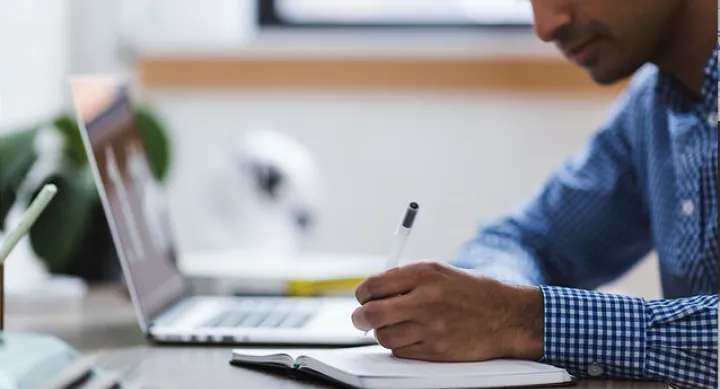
[{"x": 374, "y": 367}]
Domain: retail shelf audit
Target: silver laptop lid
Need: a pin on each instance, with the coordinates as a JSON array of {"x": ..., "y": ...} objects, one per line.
[{"x": 134, "y": 203}]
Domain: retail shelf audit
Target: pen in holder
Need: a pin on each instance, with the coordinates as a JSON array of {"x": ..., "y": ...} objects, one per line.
[{"x": 26, "y": 222}]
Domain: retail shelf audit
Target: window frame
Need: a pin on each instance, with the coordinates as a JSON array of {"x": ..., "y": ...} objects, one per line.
[{"x": 268, "y": 17}]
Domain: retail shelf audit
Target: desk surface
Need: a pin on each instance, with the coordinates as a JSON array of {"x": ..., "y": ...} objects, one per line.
[
  {"x": 106, "y": 328},
  {"x": 187, "y": 368}
]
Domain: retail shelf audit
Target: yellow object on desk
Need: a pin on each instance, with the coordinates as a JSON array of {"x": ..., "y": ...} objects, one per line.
[
  {"x": 250, "y": 274},
  {"x": 312, "y": 288}
]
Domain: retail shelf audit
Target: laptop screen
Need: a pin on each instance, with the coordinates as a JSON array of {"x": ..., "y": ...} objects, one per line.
[{"x": 133, "y": 200}]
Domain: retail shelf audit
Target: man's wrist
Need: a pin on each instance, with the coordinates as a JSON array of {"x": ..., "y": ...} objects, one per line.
[{"x": 526, "y": 324}]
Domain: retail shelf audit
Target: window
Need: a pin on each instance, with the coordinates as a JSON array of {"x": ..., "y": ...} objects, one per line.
[{"x": 395, "y": 13}]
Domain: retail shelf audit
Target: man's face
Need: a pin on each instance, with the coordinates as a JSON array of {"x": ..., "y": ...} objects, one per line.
[{"x": 611, "y": 39}]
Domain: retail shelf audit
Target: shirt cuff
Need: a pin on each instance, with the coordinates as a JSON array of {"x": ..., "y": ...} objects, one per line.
[{"x": 594, "y": 334}]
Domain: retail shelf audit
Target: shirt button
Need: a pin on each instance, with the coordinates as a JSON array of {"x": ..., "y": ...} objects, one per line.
[
  {"x": 688, "y": 207},
  {"x": 595, "y": 370}
]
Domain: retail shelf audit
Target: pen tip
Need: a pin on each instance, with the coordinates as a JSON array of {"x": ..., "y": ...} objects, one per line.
[{"x": 414, "y": 205}]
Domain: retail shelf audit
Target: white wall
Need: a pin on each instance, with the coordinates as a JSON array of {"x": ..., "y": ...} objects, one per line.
[
  {"x": 97, "y": 40},
  {"x": 464, "y": 158},
  {"x": 33, "y": 60}
]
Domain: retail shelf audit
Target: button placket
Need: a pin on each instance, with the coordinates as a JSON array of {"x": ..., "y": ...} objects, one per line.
[{"x": 688, "y": 189}]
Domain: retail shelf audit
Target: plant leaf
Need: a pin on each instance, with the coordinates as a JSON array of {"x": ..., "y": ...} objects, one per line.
[
  {"x": 59, "y": 231},
  {"x": 16, "y": 158}
]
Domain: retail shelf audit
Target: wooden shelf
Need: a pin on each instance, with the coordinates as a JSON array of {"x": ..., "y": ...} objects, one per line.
[
  {"x": 371, "y": 60},
  {"x": 458, "y": 74}
]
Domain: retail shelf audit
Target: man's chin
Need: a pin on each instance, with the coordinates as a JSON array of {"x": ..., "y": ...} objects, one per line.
[{"x": 605, "y": 79}]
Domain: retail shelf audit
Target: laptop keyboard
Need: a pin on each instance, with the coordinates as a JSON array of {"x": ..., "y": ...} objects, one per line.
[{"x": 263, "y": 314}]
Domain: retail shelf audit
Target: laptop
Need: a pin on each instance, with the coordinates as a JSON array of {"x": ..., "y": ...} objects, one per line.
[{"x": 136, "y": 212}]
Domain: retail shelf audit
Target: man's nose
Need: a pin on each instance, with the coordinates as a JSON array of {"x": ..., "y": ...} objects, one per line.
[{"x": 549, "y": 17}]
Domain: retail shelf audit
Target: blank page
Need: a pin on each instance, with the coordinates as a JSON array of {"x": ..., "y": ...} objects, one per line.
[{"x": 375, "y": 361}]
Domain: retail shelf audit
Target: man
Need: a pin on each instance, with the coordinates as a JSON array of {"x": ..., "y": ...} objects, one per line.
[{"x": 647, "y": 181}]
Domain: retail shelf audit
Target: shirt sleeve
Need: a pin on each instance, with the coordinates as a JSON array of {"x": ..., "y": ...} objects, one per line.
[
  {"x": 611, "y": 336},
  {"x": 586, "y": 226}
]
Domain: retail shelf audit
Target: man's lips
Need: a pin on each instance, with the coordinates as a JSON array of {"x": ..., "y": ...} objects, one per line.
[{"x": 581, "y": 53}]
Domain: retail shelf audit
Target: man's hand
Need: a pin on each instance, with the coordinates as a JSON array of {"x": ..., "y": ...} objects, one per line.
[{"x": 432, "y": 311}]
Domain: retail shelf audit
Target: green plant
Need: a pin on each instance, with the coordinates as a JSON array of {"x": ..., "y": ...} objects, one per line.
[{"x": 60, "y": 233}]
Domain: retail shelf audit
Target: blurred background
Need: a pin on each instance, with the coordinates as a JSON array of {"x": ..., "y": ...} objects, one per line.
[{"x": 453, "y": 104}]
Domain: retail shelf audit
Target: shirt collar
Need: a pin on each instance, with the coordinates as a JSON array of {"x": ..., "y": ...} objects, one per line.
[{"x": 676, "y": 96}]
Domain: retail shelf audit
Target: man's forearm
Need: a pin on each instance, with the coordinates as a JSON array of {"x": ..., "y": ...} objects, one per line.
[
  {"x": 524, "y": 334},
  {"x": 595, "y": 334}
]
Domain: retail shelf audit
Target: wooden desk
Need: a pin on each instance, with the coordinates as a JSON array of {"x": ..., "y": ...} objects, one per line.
[{"x": 106, "y": 328}]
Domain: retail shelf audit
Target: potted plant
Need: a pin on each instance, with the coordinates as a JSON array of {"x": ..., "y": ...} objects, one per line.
[{"x": 72, "y": 237}]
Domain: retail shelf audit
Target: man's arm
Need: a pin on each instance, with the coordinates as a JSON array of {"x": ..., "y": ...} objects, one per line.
[
  {"x": 595, "y": 334},
  {"x": 431, "y": 311},
  {"x": 585, "y": 227}
]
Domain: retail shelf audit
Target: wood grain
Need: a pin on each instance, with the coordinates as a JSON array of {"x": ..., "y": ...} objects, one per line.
[{"x": 546, "y": 75}]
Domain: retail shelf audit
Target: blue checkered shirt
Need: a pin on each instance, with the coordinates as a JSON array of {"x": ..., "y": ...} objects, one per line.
[{"x": 646, "y": 182}]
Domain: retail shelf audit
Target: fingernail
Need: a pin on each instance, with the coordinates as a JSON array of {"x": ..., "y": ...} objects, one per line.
[{"x": 359, "y": 321}]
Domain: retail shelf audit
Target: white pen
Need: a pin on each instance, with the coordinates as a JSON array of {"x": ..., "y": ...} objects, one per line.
[
  {"x": 34, "y": 211},
  {"x": 27, "y": 220},
  {"x": 401, "y": 235}
]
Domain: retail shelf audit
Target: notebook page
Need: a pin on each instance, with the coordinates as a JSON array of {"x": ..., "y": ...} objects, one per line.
[
  {"x": 260, "y": 355},
  {"x": 375, "y": 361}
]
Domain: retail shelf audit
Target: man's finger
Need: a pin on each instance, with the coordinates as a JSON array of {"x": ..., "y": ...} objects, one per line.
[
  {"x": 393, "y": 282},
  {"x": 381, "y": 313},
  {"x": 400, "y": 335},
  {"x": 414, "y": 351},
  {"x": 426, "y": 350}
]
